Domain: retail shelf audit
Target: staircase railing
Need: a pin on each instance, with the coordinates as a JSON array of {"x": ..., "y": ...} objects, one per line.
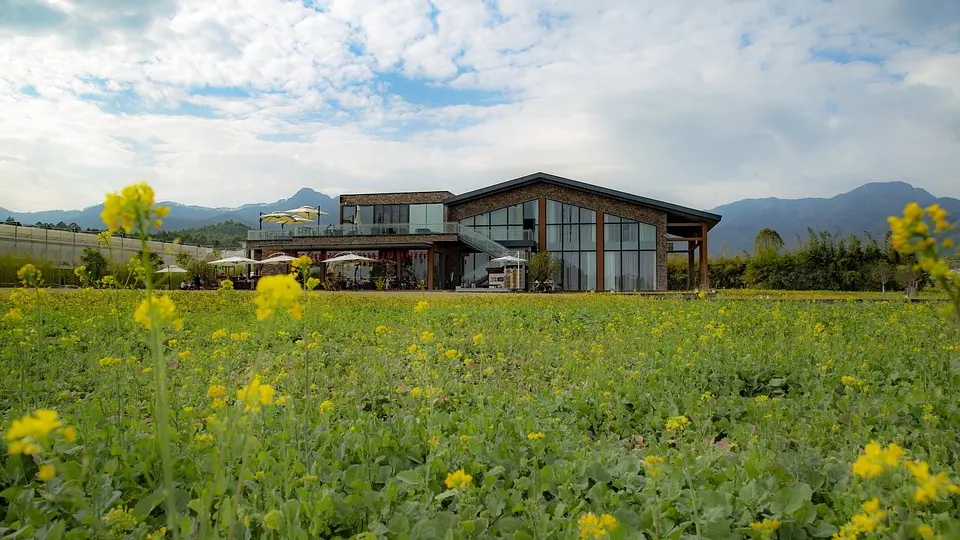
[{"x": 480, "y": 242}]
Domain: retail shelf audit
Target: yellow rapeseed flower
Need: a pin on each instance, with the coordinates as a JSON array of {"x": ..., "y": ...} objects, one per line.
[
  {"x": 254, "y": 395},
  {"x": 677, "y": 423},
  {"x": 421, "y": 306},
  {"x": 416, "y": 391},
  {"x": 12, "y": 317},
  {"x": 766, "y": 528},
  {"x": 535, "y": 436},
  {"x": 926, "y": 532},
  {"x": 133, "y": 207},
  {"x": 326, "y": 406},
  {"x": 276, "y": 292},
  {"x": 458, "y": 480},
  {"x": 594, "y": 526},
  {"x": 27, "y": 434},
  {"x": 162, "y": 308},
  {"x": 876, "y": 459},
  {"x": 30, "y": 276},
  {"x": 302, "y": 264},
  {"x": 46, "y": 473},
  {"x": 218, "y": 334},
  {"x": 930, "y": 487}
]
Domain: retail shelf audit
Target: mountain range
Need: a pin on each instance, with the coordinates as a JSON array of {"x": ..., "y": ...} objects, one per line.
[
  {"x": 863, "y": 210},
  {"x": 184, "y": 216}
]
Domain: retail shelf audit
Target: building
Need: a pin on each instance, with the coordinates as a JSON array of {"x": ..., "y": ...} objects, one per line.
[{"x": 606, "y": 239}]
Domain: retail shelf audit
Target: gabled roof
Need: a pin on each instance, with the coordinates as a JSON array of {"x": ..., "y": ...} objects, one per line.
[{"x": 674, "y": 212}]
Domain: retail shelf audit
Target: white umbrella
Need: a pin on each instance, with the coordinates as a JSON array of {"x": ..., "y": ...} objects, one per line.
[
  {"x": 307, "y": 211},
  {"x": 277, "y": 259},
  {"x": 349, "y": 258},
  {"x": 283, "y": 219},
  {"x": 509, "y": 259},
  {"x": 233, "y": 261},
  {"x": 173, "y": 269}
]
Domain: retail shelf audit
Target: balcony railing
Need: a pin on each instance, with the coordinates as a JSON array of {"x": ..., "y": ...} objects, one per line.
[{"x": 347, "y": 229}]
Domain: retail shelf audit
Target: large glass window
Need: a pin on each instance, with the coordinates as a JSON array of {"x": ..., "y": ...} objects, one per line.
[
  {"x": 395, "y": 218},
  {"x": 572, "y": 239},
  {"x": 630, "y": 254},
  {"x": 517, "y": 222}
]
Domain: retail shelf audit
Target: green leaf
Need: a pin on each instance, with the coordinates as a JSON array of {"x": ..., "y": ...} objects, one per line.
[
  {"x": 823, "y": 530},
  {"x": 410, "y": 476},
  {"x": 790, "y": 499}
]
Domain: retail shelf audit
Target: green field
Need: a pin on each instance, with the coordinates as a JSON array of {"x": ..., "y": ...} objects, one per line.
[{"x": 555, "y": 406}]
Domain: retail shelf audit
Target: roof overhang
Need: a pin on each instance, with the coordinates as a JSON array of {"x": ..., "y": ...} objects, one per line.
[{"x": 675, "y": 213}]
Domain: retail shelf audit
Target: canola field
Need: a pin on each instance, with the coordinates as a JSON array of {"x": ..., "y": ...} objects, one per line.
[{"x": 525, "y": 416}]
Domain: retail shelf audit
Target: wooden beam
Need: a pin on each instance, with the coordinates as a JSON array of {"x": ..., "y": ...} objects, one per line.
[
  {"x": 684, "y": 225},
  {"x": 430, "y": 255},
  {"x": 690, "y": 267},
  {"x": 599, "y": 269},
  {"x": 704, "y": 258},
  {"x": 686, "y": 239}
]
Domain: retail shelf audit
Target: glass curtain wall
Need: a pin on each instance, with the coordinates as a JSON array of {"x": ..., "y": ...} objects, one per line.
[
  {"x": 572, "y": 239},
  {"x": 630, "y": 254},
  {"x": 395, "y": 218},
  {"x": 517, "y": 222}
]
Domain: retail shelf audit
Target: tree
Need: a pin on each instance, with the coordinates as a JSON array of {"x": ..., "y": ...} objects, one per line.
[
  {"x": 183, "y": 259},
  {"x": 543, "y": 267},
  {"x": 909, "y": 278},
  {"x": 95, "y": 262},
  {"x": 882, "y": 273},
  {"x": 767, "y": 239},
  {"x": 156, "y": 261}
]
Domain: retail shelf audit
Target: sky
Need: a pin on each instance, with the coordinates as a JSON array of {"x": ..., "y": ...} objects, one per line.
[{"x": 696, "y": 102}]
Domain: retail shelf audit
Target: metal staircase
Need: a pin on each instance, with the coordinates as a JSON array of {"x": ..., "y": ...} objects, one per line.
[{"x": 483, "y": 243}]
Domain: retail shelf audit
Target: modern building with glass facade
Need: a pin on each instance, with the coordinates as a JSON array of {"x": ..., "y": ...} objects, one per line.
[{"x": 606, "y": 240}]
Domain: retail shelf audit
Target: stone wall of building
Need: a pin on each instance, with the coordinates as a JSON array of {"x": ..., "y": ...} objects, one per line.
[
  {"x": 347, "y": 242},
  {"x": 421, "y": 197},
  {"x": 576, "y": 197}
]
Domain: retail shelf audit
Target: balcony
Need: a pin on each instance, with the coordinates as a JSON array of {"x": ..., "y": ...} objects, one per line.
[{"x": 378, "y": 229}]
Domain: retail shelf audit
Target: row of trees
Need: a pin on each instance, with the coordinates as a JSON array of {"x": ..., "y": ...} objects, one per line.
[{"x": 825, "y": 261}]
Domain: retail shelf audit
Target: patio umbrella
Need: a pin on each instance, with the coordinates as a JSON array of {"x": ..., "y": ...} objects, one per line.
[
  {"x": 283, "y": 218},
  {"x": 233, "y": 261},
  {"x": 307, "y": 212},
  {"x": 277, "y": 259},
  {"x": 510, "y": 259},
  {"x": 172, "y": 269},
  {"x": 349, "y": 258}
]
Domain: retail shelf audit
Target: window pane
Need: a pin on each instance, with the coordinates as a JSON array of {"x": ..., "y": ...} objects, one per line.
[
  {"x": 571, "y": 214},
  {"x": 348, "y": 213},
  {"x": 531, "y": 209},
  {"x": 628, "y": 236},
  {"x": 610, "y": 218},
  {"x": 434, "y": 214},
  {"x": 630, "y": 270},
  {"x": 366, "y": 215},
  {"x": 515, "y": 214},
  {"x": 588, "y": 270},
  {"x": 553, "y": 238},
  {"x": 648, "y": 271},
  {"x": 482, "y": 219},
  {"x": 611, "y": 270},
  {"x": 554, "y": 212},
  {"x": 498, "y": 217},
  {"x": 571, "y": 272},
  {"x": 611, "y": 236},
  {"x": 648, "y": 236},
  {"x": 498, "y": 232},
  {"x": 571, "y": 237},
  {"x": 418, "y": 215},
  {"x": 467, "y": 222},
  {"x": 404, "y": 214},
  {"x": 588, "y": 236},
  {"x": 587, "y": 216}
]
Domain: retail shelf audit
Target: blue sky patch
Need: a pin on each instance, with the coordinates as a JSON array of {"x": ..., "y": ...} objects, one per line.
[
  {"x": 29, "y": 90},
  {"x": 746, "y": 40},
  {"x": 427, "y": 94},
  {"x": 841, "y": 56}
]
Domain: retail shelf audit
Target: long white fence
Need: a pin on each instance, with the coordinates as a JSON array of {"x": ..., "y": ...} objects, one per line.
[{"x": 63, "y": 249}]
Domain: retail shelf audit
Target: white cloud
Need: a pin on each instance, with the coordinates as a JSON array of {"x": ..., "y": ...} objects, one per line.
[{"x": 696, "y": 103}]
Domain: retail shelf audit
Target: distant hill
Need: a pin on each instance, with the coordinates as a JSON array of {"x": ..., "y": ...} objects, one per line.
[
  {"x": 863, "y": 210},
  {"x": 188, "y": 217}
]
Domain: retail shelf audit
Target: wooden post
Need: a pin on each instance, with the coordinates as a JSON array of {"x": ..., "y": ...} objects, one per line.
[
  {"x": 704, "y": 258},
  {"x": 430, "y": 255},
  {"x": 691, "y": 247},
  {"x": 600, "y": 284}
]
